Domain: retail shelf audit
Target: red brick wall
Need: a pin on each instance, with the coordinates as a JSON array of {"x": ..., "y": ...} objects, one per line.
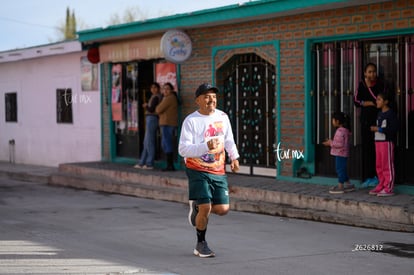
[{"x": 291, "y": 32}]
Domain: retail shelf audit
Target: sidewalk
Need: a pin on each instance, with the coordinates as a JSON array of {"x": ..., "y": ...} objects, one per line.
[
  {"x": 24, "y": 172},
  {"x": 251, "y": 194}
]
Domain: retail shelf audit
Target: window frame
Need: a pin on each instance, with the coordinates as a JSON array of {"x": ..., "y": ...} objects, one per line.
[
  {"x": 10, "y": 107},
  {"x": 64, "y": 106}
]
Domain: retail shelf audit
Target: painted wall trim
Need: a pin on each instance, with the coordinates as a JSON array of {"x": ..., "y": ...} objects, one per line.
[
  {"x": 236, "y": 13},
  {"x": 363, "y": 35},
  {"x": 399, "y": 188},
  {"x": 59, "y": 48},
  {"x": 112, "y": 138},
  {"x": 102, "y": 101},
  {"x": 178, "y": 163},
  {"x": 309, "y": 156}
]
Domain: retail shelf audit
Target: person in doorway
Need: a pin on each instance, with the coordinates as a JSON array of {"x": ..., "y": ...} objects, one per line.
[
  {"x": 365, "y": 98},
  {"x": 167, "y": 111},
  {"x": 151, "y": 122},
  {"x": 385, "y": 131},
  {"x": 205, "y": 136},
  {"x": 340, "y": 149}
]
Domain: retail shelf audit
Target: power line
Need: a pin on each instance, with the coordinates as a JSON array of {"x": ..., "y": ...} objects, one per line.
[{"x": 26, "y": 23}]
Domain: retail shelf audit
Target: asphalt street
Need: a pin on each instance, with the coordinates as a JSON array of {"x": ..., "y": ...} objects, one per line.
[{"x": 56, "y": 230}]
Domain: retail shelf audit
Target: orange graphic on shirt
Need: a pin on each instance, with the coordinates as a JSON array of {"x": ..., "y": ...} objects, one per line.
[{"x": 212, "y": 162}]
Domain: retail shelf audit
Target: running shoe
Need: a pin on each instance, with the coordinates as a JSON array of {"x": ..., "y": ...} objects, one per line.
[
  {"x": 371, "y": 182},
  {"x": 374, "y": 191},
  {"x": 203, "y": 251}
]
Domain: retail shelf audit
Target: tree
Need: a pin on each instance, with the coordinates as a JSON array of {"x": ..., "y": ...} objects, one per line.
[
  {"x": 131, "y": 14},
  {"x": 70, "y": 26},
  {"x": 67, "y": 29}
]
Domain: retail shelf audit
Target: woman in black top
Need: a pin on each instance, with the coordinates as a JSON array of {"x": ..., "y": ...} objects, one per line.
[{"x": 365, "y": 98}]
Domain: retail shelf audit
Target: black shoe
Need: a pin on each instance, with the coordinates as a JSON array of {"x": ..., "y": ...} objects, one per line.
[
  {"x": 170, "y": 163},
  {"x": 202, "y": 250},
  {"x": 349, "y": 187},
  {"x": 336, "y": 190},
  {"x": 192, "y": 214}
]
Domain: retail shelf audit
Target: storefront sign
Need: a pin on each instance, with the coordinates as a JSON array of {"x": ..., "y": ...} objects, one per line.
[
  {"x": 146, "y": 48},
  {"x": 93, "y": 55},
  {"x": 117, "y": 92},
  {"x": 166, "y": 72},
  {"x": 89, "y": 75},
  {"x": 176, "y": 46}
]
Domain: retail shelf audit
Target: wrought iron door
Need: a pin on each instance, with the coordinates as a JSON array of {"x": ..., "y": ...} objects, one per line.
[
  {"x": 339, "y": 68},
  {"x": 405, "y": 106},
  {"x": 337, "y": 76},
  {"x": 126, "y": 124},
  {"x": 249, "y": 98}
]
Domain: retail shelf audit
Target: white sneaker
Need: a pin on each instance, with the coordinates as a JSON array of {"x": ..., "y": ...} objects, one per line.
[{"x": 202, "y": 250}]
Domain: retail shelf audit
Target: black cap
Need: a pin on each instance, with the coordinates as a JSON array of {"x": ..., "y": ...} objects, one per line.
[{"x": 204, "y": 88}]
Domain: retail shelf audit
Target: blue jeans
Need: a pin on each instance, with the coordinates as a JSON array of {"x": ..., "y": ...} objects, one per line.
[
  {"x": 148, "y": 153},
  {"x": 167, "y": 138},
  {"x": 341, "y": 169}
]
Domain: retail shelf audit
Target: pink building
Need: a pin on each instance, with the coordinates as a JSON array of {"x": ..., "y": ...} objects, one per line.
[{"x": 50, "y": 105}]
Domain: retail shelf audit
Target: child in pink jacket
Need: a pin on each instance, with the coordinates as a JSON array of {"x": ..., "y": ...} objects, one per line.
[{"x": 340, "y": 149}]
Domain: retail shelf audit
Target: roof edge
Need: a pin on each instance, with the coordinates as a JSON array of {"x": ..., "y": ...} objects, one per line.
[
  {"x": 235, "y": 13},
  {"x": 41, "y": 51}
]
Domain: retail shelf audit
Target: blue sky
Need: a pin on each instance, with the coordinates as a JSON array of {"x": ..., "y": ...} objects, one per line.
[{"x": 27, "y": 23}]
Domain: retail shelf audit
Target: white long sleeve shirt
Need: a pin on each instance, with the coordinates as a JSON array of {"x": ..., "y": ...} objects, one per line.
[{"x": 196, "y": 131}]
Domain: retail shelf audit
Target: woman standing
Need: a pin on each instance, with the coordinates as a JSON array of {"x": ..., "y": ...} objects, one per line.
[
  {"x": 365, "y": 98},
  {"x": 167, "y": 111},
  {"x": 151, "y": 121}
]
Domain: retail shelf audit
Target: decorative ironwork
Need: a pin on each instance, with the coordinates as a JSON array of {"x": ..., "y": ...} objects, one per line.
[
  {"x": 250, "y": 101},
  {"x": 338, "y": 70}
]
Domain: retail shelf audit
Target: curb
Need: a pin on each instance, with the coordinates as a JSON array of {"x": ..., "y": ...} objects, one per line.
[
  {"x": 272, "y": 202},
  {"x": 28, "y": 177}
]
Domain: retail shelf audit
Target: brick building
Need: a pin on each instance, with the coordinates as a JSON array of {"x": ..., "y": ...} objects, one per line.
[{"x": 282, "y": 68}]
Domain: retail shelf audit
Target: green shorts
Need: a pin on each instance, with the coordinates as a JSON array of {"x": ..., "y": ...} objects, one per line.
[{"x": 207, "y": 188}]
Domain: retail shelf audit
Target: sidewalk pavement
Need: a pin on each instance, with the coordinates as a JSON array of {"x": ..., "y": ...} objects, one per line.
[{"x": 262, "y": 195}]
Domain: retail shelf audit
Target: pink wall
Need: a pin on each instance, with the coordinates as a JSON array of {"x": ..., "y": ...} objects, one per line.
[{"x": 39, "y": 139}]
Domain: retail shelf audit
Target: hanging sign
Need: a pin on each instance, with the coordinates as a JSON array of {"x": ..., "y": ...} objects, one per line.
[
  {"x": 93, "y": 55},
  {"x": 117, "y": 92},
  {"x": 166, "y": 72},
  {"x": 176, "y": 46},
  {"x": 148, "y": 48}
]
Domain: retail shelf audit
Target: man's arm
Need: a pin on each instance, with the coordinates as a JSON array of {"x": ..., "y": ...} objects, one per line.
[{"x": 187, "y": 148}]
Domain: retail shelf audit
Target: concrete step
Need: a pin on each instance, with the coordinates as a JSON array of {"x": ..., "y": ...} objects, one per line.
[
  {"x": 351, "y": 208},
  {"x": 248, "y": 199},
  {"x": 252, "y": 196},
  {"x": 104, "y": 184},
  {"x": 283, "y": 210},
  {"x": 131, "y": 175},
  {"x": 25, "y": 176}
]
